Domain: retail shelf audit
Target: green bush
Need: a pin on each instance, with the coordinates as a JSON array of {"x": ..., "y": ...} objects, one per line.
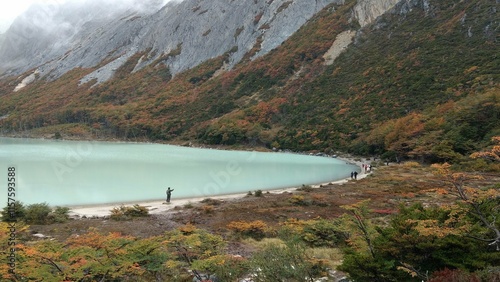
[
  {"x": 299, "y": 200},
  {"x": 222, "y": 267},
  {"x": 59, "y": 215},
  {"x": 322, "y": 233},
  {"x": 125, "y": 213},
  {"x": 37, "y": 214},
  {"x": 401, "y": 251},
  {"x": 285, "y": 262},
  {"x": 40, "y": 213},
  {"x": 305, "y": 188},
  {"x": 255, "y": 229},
  {"x": 13, "y": 213}
]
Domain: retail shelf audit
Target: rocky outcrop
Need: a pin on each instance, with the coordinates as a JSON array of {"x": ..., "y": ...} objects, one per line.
[
  {"x": 26, "y": 81},
  {"x": 179, "y": 34},
  {"x": 366, "y": 11},
  {"x": 182, "y": 34},
  {"x": 339, "y": 45}
]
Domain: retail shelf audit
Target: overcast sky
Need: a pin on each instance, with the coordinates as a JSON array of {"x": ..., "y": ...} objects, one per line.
[{"x": 10, "y": 9}]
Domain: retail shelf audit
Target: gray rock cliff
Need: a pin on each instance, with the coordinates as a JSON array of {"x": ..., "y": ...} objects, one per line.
[{"x": 181, "y": 34}]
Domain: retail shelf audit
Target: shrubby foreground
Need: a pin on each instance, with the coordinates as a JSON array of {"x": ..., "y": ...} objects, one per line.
[{"x": 404, "y": 222}]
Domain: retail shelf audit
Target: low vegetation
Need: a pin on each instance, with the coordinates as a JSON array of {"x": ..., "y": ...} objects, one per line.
[
  {"x": 128, "y": 212},
  {"x": 40, "y": 213},
  {"x": 407, "y": 222},
  {"x": 406, "y": 91}
]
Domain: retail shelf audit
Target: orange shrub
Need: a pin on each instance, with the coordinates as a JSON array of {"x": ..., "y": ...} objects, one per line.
[{"x": 255, "y": 229}]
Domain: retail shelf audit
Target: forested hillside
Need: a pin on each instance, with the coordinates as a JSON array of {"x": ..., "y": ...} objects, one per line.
[{"x": 422, "y": 81}]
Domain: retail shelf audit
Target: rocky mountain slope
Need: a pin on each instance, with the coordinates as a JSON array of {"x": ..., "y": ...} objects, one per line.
[
  {"x": 182, "y": 34},
  {"x": 416, "y": 78}
]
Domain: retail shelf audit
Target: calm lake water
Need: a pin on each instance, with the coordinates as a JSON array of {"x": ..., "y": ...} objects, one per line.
[{"x": 84, "y": 173}]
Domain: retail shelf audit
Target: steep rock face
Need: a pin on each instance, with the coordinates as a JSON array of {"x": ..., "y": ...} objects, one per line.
[
  {"x": 188, "y": 33},
  {"x": 180, "y": 34},
  {"x": 366, "y": 11},
  {"x": 50, "y": 33}
]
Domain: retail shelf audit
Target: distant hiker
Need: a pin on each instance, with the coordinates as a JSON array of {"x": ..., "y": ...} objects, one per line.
[
  {"x": 355, "y": 175},
  {"x": 352, "y": 174},
  {"x": 169, "y": 193}
]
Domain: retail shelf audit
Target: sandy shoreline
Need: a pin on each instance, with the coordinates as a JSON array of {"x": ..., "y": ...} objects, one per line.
[{"x": 160, "y": 206}]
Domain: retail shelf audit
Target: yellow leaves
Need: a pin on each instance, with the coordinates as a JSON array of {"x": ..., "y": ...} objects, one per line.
[
  {"x": 456, "y": 178},
  {"x": 455, "y": 223},
  {"x": 187, "y": 229},
  {"x": 29, "y": 251},
  {"x": 295, "y": 224},
  {"x": 411, "y": 164},
  {"x": 442, "y": 169},
  {"x": 409, "y": 195},
  {"x": 91, "y": 239},
  {"x": 493, "y": 154},
  {"x": 172, "y": 264},
  {"x": 470, "y": 70},
  {"x": 217, "y": 259},
  {"x": 431, "y": 227},
  {"x": 357, "y": 207},
  {"x": 439, "y": 191},
  {"x": 491, "y": 193},
  {"x": 477, "y": 195},
  {"x": 78, "y": 263},
  {"x": 247, "y": 226},
  {"x": 486, "y": 155},
  {"x": 360, "y": 228},
  {"x": 403, "y": 131},
  {"x": 297, "y": 200},
  {"x": 408, "y": 269},
  {"x": 6, "y": 272},
  {"x": 114, "y": 256},
  {"x": 135, "y": 268}
]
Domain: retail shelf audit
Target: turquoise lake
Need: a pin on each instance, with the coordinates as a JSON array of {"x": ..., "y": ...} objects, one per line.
[{"x": 72, "y": 173}]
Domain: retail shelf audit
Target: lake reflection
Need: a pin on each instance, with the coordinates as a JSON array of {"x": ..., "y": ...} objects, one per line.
[{"x": 81, "y": 173}]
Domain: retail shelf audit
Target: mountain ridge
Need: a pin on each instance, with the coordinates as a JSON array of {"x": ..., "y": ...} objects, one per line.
[{"x": 203, "y": 29}]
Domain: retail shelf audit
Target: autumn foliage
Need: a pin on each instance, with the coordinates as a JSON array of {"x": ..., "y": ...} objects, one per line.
[
  {"x": 255, "y": 229},
  {"x": 415, "y": 98}
]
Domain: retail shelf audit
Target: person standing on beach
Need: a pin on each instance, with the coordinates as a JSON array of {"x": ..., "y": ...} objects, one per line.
[
  {"x": 355, "y": 175},
  {"x": 169, "y": 193}
]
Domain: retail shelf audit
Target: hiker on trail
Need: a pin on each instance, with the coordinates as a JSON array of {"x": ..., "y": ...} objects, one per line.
[
  {"x": 169, "y": 193},
  {"x": 355, "y": 175},
  {"x": 352, "y": 174}
]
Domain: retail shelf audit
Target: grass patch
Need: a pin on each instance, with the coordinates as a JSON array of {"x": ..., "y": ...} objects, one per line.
[
  {"x": 259, "y": 244},
  {"x": 332, "y": 256}
]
